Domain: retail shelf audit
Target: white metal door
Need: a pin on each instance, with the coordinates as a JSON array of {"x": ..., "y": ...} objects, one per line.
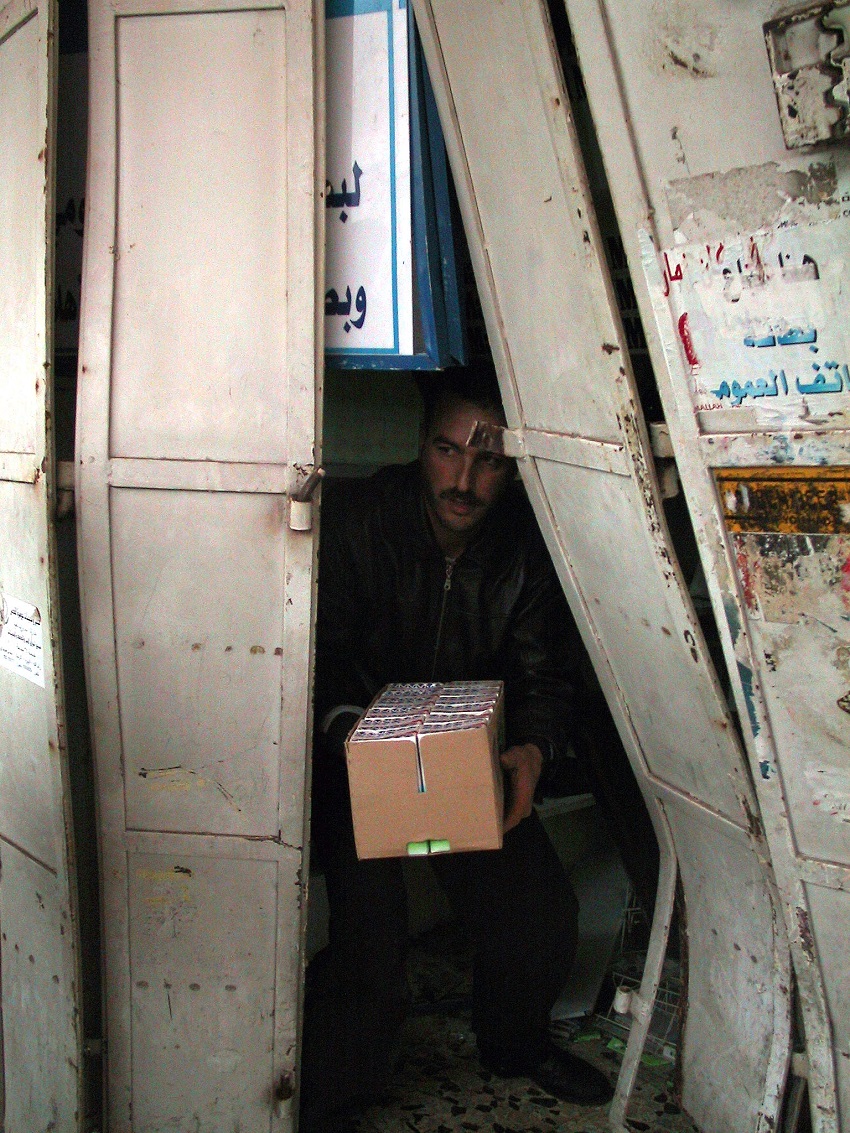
[
  {"x": 40, "y": 1042},
  {"x": 737, "y": 231},
  {"x": 584, "y": 454},
  {"x": 200, "y": 351}
]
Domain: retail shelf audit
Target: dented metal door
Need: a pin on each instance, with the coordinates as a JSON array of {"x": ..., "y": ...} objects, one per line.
[
  {"x": 583, "y": 452},
  {"x": 200, "y": 350},
  {"x": 40, "y": 1041},
  {"x": 738, "y": 234}
]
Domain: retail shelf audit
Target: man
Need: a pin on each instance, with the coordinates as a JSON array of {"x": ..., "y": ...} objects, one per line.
[{"x": 436, "y": 571}]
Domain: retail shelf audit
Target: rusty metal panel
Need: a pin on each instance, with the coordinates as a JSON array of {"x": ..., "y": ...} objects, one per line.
[
  {"x": 738, "y": 252},
  {"x": 162, "y": 382},
  {"x": 828, "y": 942},
  {"x": 41, "y": 1055},
  {"x": 200, "y": 366},
  {"x": 40, "y": 1035},
  {"x": 792, "y": 542},
  {"x": 23, "y": 59},
  {"x": 199, "y": 676},
  {"x": 28, "y": 727},
  {"x": 684, "y": 723},
  {"x": 723, "y": 882},
  {"x": 202, "y": 969},
  {"x": 549, "y": 275},
  {"x": 570, "y": 398}
]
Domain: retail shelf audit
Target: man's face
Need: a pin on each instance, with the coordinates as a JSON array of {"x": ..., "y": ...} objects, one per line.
[{"x": 461, "y": 484}]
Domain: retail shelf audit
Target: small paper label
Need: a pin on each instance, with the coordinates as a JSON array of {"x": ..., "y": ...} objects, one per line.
[{"x": 21, "y": 648}]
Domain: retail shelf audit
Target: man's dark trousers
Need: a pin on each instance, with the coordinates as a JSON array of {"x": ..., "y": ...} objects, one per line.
[{"x": 521, "y": 914}]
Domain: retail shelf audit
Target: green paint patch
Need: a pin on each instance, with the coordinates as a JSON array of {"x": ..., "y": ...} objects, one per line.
[
  {"x": 746, "y": 675},
  {"x": 730, "y": 609}
]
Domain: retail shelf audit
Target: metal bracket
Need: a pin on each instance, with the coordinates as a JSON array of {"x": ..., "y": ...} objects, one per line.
[
  {"x": 496, "y": 438},
  {"x": 809, "y": 54}
]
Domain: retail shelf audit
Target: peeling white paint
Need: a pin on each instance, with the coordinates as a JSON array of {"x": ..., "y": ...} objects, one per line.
[{"x": 756, "y": 198}]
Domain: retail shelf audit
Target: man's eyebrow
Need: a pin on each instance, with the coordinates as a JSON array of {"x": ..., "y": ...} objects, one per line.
[{"x": 439, "y": 439}]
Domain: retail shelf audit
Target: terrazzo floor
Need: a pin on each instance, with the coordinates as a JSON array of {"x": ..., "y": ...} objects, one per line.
[{"x": 440, "y": 1086}]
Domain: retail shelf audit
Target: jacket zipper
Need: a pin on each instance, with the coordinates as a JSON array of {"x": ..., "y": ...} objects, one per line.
[{"x": 447, "y": 585}]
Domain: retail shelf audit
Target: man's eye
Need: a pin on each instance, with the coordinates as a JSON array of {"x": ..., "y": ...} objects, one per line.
[{"x": 491, "y": 459}]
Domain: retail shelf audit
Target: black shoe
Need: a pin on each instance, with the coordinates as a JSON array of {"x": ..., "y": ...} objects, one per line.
[{"x": 563, "y": 1076}]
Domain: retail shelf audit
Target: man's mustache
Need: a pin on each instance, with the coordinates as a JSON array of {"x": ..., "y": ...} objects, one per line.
[{"x": 469, "y": 499}]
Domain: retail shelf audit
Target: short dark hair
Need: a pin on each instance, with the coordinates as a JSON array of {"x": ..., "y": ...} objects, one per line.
[{"x": 476, "y": 384}]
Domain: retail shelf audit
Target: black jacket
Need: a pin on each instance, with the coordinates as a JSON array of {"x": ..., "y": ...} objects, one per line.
[{"x": 387, "y": 612}]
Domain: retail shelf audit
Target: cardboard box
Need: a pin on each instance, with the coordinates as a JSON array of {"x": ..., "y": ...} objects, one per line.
[{"x": 424, "y": 771}]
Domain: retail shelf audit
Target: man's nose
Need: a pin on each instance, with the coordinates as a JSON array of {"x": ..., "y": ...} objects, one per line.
[{"x": 464, "y": 477}]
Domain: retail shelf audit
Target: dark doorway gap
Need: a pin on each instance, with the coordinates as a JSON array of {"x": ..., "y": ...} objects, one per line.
[{"x": 73, "y": 40}]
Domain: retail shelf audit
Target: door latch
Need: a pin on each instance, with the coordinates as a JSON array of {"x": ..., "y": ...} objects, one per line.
[{"x": 301, "y": 501}]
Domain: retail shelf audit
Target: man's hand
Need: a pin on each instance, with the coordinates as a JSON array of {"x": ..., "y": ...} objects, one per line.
[{"x": 523, "y": 765}]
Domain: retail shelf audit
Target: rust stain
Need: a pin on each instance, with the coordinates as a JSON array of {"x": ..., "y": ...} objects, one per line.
[
  {"x": 845, "y": 579},
  {"x": 609, "y": 347},
  {"x": 790, "y": 500},
  {"x": 754, "y": 827},
  {"x": 789, "y": 577},
  {"x": 843, "y": 702},
  {"x": 746, "y": 579},
  {"x": 257, "y": 649},
  {"x": 807, "y": 940}
]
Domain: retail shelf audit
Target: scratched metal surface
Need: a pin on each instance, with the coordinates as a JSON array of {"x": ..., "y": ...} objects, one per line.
[
  {"x": 583, "y": 453},
  {"x": 196, "y": 416},
  {"x": 40, "y": 1043},
  {"x": 738, "y": 248}
]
